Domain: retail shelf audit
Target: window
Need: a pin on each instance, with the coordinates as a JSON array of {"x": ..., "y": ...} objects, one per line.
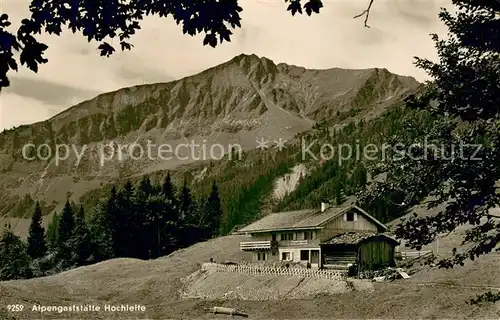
[
  {"x": 285, "y": 256},
  {"x": 287, "y": 236},
  {"x": 304, "y": 255},
  {"x": 261, "y": 256},
  {"x": 308, "y": 235},
  {"x": 349, "y": 216}
]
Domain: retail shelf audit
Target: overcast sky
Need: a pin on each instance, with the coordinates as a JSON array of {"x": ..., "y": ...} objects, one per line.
[{"x": 399, "y": 31}]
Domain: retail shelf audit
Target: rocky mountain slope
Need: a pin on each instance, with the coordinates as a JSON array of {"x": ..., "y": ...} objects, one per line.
[{"x": 235, "y": 103}]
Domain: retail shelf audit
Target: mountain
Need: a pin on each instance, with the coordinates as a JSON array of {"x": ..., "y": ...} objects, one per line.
[{"x": 235, "y": 103}]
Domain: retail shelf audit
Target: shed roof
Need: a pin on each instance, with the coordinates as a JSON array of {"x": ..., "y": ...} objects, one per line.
[
  {"x": 358, "y": 237},
  {"x": 302, "y": 219}
]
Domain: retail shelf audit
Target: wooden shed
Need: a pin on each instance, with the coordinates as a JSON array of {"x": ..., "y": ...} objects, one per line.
[{"x": 368, "y": 250}]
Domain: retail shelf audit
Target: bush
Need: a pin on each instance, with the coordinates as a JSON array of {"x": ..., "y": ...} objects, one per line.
[
  {"x": 46, "y": 265},
  {"x": 14, "y": 258}
]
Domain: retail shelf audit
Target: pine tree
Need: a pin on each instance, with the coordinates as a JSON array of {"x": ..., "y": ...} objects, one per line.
[
  {"x": 36, "y": 238},
  {"x": 213, "y": 212},
  {"x": 192, "y": 224},
  {"x": 204, "y": 219},
  {"x": 186, "y": 202},
  {"x": 80, "y": 240},
  {"x": 52, "y": 232},
  {"x": 100, "y": 229},
  {"x": 145, "y": 187},
  {"x": 110, "y": 220},
  {"x": 145, "y": 220},
  {"x": 65, "y": 233},
  {"x": 359, "y": 176},
  {"x": 154, "y": 225},
  {"x": 129, "y": 224},
  {"x": 170, "y": 195},
  {"x": 121, "y": 220},
  {"x": 188, "y": 225},
  {"x": 339, "y": 195},
  {"x": 14, "y": 258},
  {"x": 171, "y": 216},
  {"x": 66, "y": 224},
  {"x": 168, "y": 188}
]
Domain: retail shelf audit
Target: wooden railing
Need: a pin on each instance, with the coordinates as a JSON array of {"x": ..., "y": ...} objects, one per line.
[
  {"x": 256, "y": 270},
  {"x": 414, "y": 254},
  {"x": 255, "y": 245}
]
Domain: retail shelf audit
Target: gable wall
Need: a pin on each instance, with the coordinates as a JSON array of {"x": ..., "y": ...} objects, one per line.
[{"x": 339, "y": 225}]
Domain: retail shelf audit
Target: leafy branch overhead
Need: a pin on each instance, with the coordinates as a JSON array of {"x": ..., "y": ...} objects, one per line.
[
  {"x": 117, "y": 20},
  {"x": 454, "y": 166}
]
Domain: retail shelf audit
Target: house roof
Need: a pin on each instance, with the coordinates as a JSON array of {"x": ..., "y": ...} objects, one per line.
[
  {"x": 357, "y": 237},
  {"x": 278, "y": 221},
  {"x": 302, "y": 219}
]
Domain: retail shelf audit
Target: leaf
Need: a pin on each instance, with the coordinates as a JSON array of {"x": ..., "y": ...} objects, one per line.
[
  {"x": 12, "y": 64},
  {"x": 126, "y": 46},
  {"x": 211, "y": 40},
  {"x": 106, "y": 49},
  {"x": 295, "y": 7},
  {"x": 4, "y": 21},
  {"x": 225, "y": 35},
  {"x": 313, "y": 6}
]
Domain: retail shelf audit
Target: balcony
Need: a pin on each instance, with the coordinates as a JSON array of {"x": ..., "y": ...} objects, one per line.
[{"x": 255, "y": 245}]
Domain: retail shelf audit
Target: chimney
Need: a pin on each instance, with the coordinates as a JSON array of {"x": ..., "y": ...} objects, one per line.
[{"x": 323, "y": 206}]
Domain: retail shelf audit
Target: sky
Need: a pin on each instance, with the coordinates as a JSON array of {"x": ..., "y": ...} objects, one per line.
[{"x": 399, "y": 31}]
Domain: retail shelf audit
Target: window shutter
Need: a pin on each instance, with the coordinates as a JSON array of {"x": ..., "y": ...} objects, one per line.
[
  {"x": 345, "y": 216},
  {"x": 355, "y": 216}
]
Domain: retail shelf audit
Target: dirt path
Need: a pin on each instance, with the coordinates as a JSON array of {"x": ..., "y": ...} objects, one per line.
[{"x": 441, "y": 284}]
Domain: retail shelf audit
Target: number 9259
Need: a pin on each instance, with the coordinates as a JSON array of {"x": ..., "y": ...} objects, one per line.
[{"x": 15, "y": 307}]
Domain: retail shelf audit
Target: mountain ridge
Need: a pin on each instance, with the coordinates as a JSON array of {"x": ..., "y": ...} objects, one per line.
[
  {"x": 236, "y": 102},
  {"x": 280, "y": 66}
]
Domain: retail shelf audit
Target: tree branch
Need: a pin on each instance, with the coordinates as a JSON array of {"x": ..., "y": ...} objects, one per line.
[{"x": 365, "y": 13}]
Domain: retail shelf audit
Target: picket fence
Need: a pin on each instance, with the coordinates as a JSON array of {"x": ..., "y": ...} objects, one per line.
[{"x": 298, "y": 272}]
